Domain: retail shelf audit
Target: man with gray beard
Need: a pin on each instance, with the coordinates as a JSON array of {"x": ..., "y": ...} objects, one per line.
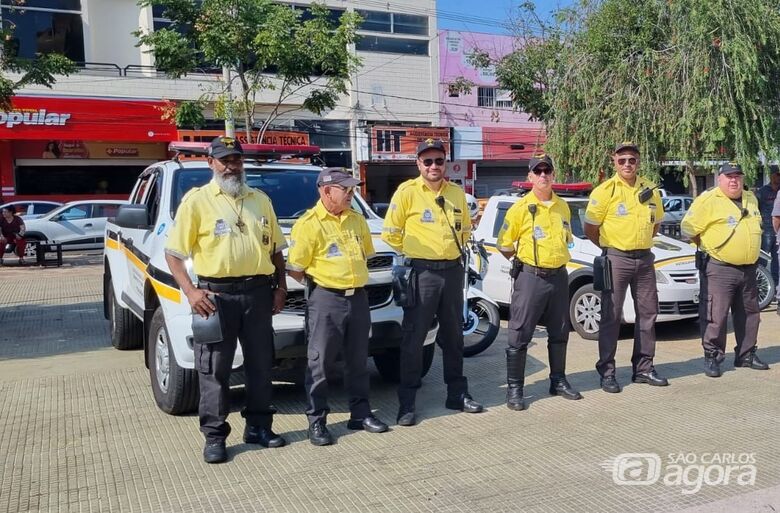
[{"x": 231, "y": 233}]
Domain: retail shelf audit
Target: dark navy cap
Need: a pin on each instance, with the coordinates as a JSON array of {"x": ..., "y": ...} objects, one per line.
[
  {"x": 627, "y": 145},
  {"x": 337, "y": 176},
  {"x": 224, "y": 146},
  {"x": 730, "y": 168},
  {"x": 431, "y": 144},
  {"x": 539, "y": 159}
]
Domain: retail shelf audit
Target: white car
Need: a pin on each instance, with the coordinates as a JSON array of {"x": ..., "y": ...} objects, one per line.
[
  {"x": 32, "y": 209},
  {"x": 75, "y": 225},
  {"x": 676, "y": 274}
]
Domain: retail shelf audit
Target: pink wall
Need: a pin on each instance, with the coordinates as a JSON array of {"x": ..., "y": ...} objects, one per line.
[{"x": 454, "y": 48}]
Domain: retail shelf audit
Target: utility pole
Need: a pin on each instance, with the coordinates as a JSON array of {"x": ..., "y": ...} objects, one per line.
[{"x": 230, "y": 123}]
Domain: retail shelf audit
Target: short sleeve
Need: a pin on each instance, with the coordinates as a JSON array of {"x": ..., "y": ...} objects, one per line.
[
  {"x": 299, "y": 255},
  {"x": 277, "y": 237},
  {"x": 597, "y": 206},
  {"x": 693, "y": 222},
  {"x": 659, "y": 207},
  {"x": 183, "y": 234},
  {"x": 368, "y": 242},
  {"x": 395, "y": 219},
  {"x": 465, "y": 217},
  {"x": 510, "y": 229}
]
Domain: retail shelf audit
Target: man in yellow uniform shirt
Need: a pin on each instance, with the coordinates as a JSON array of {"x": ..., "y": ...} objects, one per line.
[
  {"x": 329, "y": 246},
  {"x": 537, "y": 231},
  {"x": 622, "y": 218},
  {"x": 725, "y": 222},
  {"x": 231, "y": 233},
  {"x": 428, "y": 222}
]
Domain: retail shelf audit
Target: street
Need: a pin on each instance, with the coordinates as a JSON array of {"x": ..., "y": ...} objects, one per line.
[{"x": 81, "y": 431}]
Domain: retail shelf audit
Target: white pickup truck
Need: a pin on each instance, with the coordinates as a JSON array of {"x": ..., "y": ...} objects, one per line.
[
  {"x": 147, "y": 309},
  {"x": 676, "y": 274}
]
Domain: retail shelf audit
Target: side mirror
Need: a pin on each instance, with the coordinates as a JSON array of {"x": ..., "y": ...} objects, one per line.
[
  {"x": 56, "y": 219},
  {"x": 134, "y": 216}
]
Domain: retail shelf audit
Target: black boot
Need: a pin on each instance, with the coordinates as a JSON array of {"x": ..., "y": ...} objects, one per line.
[
  {"x": 711, "y": 365},
  {"x": 515, "y": 378},
  {"x": 556, "y": 354},
  {"x": 751, "y": 360}
]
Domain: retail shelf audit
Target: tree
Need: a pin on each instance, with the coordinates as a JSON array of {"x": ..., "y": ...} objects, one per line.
[
  {"x": 692, "y": 81},
  {"x": 39, "y": 71},
  {"x": 266, "y": 46}
]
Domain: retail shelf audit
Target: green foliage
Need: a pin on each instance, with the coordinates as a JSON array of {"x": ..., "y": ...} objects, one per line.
[
  {"x": 267, "y": 46},
  {"x": 688, "y": 80},
  {"x": 39, "y": 71}
]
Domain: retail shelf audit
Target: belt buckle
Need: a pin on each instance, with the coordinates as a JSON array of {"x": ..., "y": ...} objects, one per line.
[{"x": 349, "y": 292}]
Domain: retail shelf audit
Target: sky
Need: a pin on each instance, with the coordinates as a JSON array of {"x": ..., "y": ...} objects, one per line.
[{"x": 485, "y": 15}]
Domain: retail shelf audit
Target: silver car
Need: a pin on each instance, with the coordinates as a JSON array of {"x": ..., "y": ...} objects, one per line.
[
  {"x": 32, "y": 209},
  {"x": 75, "y": 225}
]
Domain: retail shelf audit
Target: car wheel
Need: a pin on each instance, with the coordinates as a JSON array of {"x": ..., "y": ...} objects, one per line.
[
  {"x": 126, "y": 329},
  {"x": 389, "y": 363},
  {"x": 766, "y": 286},
  {"x": 585, "y": 312},
  {"x": 175, "y": 389}
]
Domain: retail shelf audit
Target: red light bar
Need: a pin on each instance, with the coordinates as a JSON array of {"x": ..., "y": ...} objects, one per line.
[
  {"x": 267, "y": 151},
  {"x": 568, "y": 188}
]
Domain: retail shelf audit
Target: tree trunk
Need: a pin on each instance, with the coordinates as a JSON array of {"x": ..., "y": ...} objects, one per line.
[{"x": 691, "y": 171}]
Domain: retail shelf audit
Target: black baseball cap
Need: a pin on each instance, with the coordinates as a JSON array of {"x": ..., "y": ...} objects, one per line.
[
  {"x": 627, "y": 145},
  {"x": 730, "y": 168},
  {"x": 431, "y": 144},
  {"x": 541, "y": 158},
  {"x": 337, "y": 176},
  {"x": 222, "y": 147}
]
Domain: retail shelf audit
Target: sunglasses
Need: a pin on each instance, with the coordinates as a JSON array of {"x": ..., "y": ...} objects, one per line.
[
  {"x": 542, "y": 171},
  {"x": 630, "y": 160},
  {"x": 429, "y": 162},
  {"x": 347, "y": 190},
  {"x": 230, "y": 159}
]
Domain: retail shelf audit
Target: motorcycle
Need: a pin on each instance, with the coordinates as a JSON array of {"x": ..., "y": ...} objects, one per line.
[
  {"x": 481, "y": 317},
  {"x": 766, "y": 285}
]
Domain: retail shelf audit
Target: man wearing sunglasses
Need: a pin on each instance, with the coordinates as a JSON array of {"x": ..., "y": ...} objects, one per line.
[
  {"x": 537, "y": 231},
  {"x": 428, "y": 222},
  {"x": 329, "y": 246},
  {"x": 725, "y": 223},
  {"x": 622, "y": 217}
]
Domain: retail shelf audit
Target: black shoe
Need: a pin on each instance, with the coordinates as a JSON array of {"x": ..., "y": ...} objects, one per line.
[
  {"x": 370, "y": 424},
  {"x": 463, "y": 403},
  {"x": 610, "y": 384},
  {"x": 651, "y": 378},
  {"x": 752, "y": 361},
  {"x": 262, "y": 436},
  {"x": 319, "y": 434},
  {"x": 561, "y": 387},
  {"x": 214, "y": 451},
  {"x": 711, "y": 367},
  {"x": 406, "y": 418},
  {"x": 514, "y": 398}
]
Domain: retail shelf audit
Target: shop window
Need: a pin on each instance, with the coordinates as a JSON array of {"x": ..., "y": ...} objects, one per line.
[
  {"x": 55, "y": 28},
  {"x": 392, "y": 45},
  {"x": 393, "y": 23},
  {"x": 410, "y": 24}
]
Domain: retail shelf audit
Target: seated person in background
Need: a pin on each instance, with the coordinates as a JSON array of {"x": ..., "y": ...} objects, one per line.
[{"x": 12, "y": 231}]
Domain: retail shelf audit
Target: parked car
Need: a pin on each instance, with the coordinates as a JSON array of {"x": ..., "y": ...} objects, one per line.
[
  {"x": 32, "y": 209},
  {"x": 675, "y": 208},
  {"x": 75, "y": 225},
  {"x": 147, "y": 309},
  {"x": 677, "y": 277}
]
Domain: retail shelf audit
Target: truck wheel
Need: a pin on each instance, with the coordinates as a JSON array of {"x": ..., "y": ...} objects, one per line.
[
  {"x": 389, "y": 363},
  {"x": 175, "y": 389},
  {"x": 126, "y": 329},
  {"x": 585, "y": 312}
]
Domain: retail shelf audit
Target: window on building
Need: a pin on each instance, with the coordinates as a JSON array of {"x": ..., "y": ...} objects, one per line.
[
  {"x": 486, "y": 96},
  {"x": 393, "y": 23},
  {"x": 392, "y": 45},
  {"x": 44, "y": 27}
]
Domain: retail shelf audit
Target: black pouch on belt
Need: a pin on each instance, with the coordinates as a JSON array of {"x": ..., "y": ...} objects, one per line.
[
  {"x": 516, "y": 267},
  {"x": 404, "y": 288},
  {"x": 602, "y": 274},
  {"x": 701, "y": 260},
  {"x": 209, "y": 330}
]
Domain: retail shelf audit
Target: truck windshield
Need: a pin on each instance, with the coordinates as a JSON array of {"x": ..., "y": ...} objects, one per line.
[{"x": 292, "y": 191}]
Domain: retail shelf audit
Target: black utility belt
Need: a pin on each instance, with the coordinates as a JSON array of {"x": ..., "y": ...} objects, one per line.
[
  {"x": 434, "y": 265},
  {"x": 232, "y": 285},
  {"x": 543, "y": 272},
  {"x": 339, "y": 292},
  {"x": 631, "y": 253}
]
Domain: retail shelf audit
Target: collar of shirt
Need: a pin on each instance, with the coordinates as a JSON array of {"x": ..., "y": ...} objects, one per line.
[
  {"x": 638, "y": 184},
  {"x": 216, "y": 191},
  {"x": 321, "y": 212},
  {"x": 533, "y": 198},
  {"x": 424, "y": 186}
]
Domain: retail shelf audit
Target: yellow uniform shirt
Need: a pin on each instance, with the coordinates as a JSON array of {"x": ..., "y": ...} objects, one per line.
[
  {"x": 416, "y": 226},
  {"x": 624, "y": 223},
  {"x": 550, "y": 226},
  {"x": 713, "y": 217},
  {"x": 331, "y": 249},
  {"x": 205, "y": 228}
]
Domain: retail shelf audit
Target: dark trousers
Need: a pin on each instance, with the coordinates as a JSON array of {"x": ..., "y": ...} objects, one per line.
[
  {"x": 769, "y": 244},
  {"x": 439, "y": 293},
  {"x": 639, "y": 273},
  {"x": 538, "y": 300},
  {"x": 246, "y": 317},
  {"x": 723, "y": 287},
  {"x": 337, "y": 324}
]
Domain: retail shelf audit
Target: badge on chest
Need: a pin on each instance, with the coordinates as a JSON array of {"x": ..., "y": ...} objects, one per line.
[
  {"x": 333, "y": 251},
  {"x": 427, "y": 216},
  {"x": 221, "y": 228}
]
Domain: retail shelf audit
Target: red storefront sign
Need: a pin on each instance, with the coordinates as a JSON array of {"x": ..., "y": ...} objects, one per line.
[
  {"x": 400, "y": 143},
  {"x": 50, "y": 118},
  {"x": 499, "y": 143}
]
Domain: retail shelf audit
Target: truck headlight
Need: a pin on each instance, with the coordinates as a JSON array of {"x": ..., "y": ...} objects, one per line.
[{"x": 660, "y": 278}]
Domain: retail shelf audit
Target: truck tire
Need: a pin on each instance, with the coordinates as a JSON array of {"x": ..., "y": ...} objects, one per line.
[
  {"x": 389, "y": 363},
  {"x": 126, "y": 328},
  {"x": 175, "y": 389},
  {"x": 585, "y": 312}
]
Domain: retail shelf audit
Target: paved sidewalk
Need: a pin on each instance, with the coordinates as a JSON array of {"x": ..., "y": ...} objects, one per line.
[{"x": 81, "y": 431}]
